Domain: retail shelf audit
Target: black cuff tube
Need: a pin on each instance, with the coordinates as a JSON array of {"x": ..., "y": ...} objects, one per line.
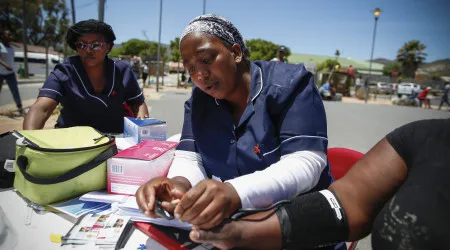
[{"x": 312, "y": 220}]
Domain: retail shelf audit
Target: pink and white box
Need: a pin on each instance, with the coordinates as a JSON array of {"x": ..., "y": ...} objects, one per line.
[{"x": 134, "y": 166}]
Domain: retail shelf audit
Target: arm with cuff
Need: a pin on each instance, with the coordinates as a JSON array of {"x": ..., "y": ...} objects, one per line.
[{"x": 344, "y": 212}]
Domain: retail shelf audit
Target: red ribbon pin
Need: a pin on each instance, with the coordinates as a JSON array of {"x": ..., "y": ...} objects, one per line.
[{"x": 256, "y": 149}]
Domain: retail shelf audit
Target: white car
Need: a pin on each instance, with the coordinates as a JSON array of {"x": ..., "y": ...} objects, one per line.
[
  {"x": 408, "y": 89},
  {"x": 384, "y": 88}
]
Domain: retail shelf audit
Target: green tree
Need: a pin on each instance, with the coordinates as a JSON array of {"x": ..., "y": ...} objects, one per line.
[
  {"x": 56, "y": 23},
  {"x": 145, "y": 49},
  {"x": 12, "y": 18},
  {"x": 327, "y": 65},
  {"x": 151, "y": 53},
  {"x": 115, "y": 52},
  {"x": 388, "y": 68},
  {"x": 264, "y": 50},
  {"x": 410, "y": 56},
  {"x": 176, "y": 54},
  {"x": 175, "y": 50},
  {"x": 134, "y": 47},
  {"x": 47, "y": 21}
]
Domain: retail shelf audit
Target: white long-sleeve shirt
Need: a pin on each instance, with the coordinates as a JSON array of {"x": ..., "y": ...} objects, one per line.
[{"x": 295, "y": 173}]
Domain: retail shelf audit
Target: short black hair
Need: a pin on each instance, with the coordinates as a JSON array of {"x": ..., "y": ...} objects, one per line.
[{"x": 89, "y": 26}]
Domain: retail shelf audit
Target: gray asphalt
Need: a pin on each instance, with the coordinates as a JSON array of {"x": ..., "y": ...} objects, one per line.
[{"x": 27, "y": 91}]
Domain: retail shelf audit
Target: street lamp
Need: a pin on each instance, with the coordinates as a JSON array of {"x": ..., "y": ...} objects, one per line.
[{"x": 376, "y": 14}]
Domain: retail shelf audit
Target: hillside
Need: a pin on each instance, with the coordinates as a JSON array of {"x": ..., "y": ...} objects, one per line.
[{"x": 441, "y": 67}]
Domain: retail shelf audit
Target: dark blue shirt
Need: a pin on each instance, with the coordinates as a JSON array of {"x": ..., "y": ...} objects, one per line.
[
  {"x": 69, "y": 85},
  {"x": 285, "y": 114}
]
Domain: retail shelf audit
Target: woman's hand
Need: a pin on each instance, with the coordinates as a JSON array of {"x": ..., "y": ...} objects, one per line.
[
  {"x": 257, "y": 231},
  {"x": 225, "y": 236},
  {"x": 168, "y": 191},
  {"x": 208, "y": 203},
  {"x": 142, "y": 111}
]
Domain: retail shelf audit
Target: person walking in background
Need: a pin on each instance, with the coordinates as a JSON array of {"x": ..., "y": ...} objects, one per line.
[
  {"x": 446, "y": 96},
  {"x": 424, "y": 99},
  {"x": 351, "y": 71},
  {"x": 144, "y": 72},
  {"x": 358, "y": 83},
  {"x": 136, "y": 67},
  {"x": 7, "y": 68},
  {"x": 281, "y": 55}
]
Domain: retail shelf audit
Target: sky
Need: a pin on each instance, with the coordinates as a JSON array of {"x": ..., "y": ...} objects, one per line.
[{"x": 316, "y": 27}]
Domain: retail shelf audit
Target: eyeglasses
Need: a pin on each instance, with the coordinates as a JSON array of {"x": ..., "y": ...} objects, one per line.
[{"x": 92, "y": 46}]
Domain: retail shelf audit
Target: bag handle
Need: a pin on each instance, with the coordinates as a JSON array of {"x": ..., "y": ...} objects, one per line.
[{"x": 22, "y": 162}]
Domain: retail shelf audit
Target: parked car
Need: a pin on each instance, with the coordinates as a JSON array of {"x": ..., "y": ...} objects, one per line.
[
  {"x": 408, "y": 89},
  {"x": 384, "y": 88},
  {"x": 173, "y": 66}
]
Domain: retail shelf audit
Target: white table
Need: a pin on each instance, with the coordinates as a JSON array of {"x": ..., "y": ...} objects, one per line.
[{"x": 37, "y": 234}]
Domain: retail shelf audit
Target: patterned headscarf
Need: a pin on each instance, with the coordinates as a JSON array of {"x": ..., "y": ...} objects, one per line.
[{"x": 217, "y": 26}]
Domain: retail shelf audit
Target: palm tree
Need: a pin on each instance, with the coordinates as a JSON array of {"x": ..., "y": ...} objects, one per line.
[
  {"x": 410, "y": 56},
  {"x": 176, "y": 54},
  {"x": 337, "y": 54}
]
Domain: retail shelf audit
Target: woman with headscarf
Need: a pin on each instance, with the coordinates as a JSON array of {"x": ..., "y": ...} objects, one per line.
[
  {"x": 254, "y": 133},
  {"x": 91, "y": 87}
]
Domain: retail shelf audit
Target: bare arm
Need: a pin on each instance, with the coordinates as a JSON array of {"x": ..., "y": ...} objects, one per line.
[
  {"x": 39, "y": 113},
  {"x": 368, "y": 186},
  {"x": 8, "y": 67}
]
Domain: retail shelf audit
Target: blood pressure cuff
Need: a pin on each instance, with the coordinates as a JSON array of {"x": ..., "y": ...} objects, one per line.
[{"x": 312, "y": 220}]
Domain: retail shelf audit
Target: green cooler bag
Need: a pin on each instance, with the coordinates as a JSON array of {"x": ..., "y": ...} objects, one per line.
[{"x": 57, "y": 164}]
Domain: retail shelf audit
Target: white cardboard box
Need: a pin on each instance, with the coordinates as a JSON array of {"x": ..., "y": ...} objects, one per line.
[{"x": 139, "y": 130}]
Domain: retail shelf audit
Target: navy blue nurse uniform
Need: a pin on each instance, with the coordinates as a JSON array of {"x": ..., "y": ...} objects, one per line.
[
  {"x": 69, "y": 85},
  {"x": 285, "y": 114}
]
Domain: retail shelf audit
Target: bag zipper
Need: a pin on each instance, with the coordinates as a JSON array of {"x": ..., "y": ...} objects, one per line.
[{"x": 34, "y": 146}]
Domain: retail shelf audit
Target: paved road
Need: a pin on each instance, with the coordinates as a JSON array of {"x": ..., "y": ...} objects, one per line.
[{"x": 27, "y": 91}]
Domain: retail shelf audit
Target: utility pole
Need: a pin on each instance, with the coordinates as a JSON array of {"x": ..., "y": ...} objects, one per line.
[
  {"x": 72, "y": 3},
  {"x": 158, "y": 58},
  {"x": 24, "y": 39},
  {"x": 101, "y": 10},
  {"x": 204, "y": 7}
]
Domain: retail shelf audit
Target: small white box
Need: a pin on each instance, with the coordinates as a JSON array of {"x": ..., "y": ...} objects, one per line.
[
  {"x": 139, "y": 130},
  {"x": 133, "y": 167}
]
